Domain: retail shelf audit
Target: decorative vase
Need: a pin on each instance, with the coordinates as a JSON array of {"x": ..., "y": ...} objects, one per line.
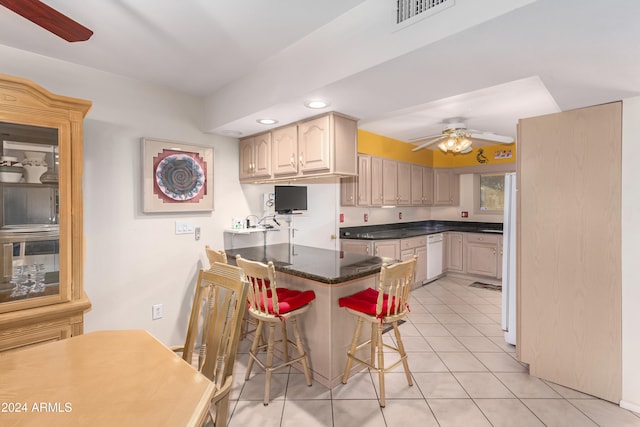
[{"x": 34, "y": 166}]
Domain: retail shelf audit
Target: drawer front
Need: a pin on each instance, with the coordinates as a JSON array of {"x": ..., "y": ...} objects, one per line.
[
  {"x": 413, "y": 242},
  {"x": 481, "y": 238}
]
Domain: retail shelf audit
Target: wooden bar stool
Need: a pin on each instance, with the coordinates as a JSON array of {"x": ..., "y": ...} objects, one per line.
[
  {"x": 386, "y": 305},
  {"x": 271, "y": 305}
]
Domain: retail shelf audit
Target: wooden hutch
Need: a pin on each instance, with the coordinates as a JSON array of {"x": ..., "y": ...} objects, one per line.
[{"x": 41, "y": 236}]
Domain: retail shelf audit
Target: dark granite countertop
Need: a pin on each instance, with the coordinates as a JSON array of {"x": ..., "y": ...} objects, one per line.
[
  {"x": 321, "y": 265},
  {"x": 413, "y": 229}
]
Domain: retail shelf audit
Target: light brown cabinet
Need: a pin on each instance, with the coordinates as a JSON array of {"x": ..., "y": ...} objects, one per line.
[
  {"x": 356, "y": 191},
  {"x": 284, "y": 151},
  {"x": 446, "y": 187},
  {"x": 387, "y": 248},
  {"x": 421, "y": 185},
  {"x": 255, "y": 157},
  {"x": 396, "y": 183},
  {"x": 364, "y": 247},
  {"x": 389, "y": 182},
  {"x": 320, "y": 146},
  {"x": 380, "y": 248},
  {"x": 376, "y": 181},
  {"x": 51, "y": 308},
  {"x": 416, "y": 246},
  {"x": 482, "y": 254},
  {"x": 453, "y": 252}
]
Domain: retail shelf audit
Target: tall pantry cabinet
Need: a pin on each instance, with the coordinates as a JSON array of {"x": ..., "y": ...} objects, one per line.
[{"x": 569, "y": 252}]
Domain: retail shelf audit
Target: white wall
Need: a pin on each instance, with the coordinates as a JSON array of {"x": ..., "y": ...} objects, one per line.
[
  {"x": 134, "y": 260},
  {"x": 630, "y": 240}
]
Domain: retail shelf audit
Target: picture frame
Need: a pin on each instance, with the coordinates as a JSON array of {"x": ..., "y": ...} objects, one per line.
[{"x": 177, "y": 177}]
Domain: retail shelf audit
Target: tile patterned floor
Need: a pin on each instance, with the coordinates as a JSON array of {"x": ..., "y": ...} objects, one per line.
[{"x": 464, "y": 375}]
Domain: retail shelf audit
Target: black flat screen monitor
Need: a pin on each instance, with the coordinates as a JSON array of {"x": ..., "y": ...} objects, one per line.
[{"x": 290, "y": 198}]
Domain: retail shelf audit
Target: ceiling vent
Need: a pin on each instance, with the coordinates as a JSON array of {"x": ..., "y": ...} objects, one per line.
[{"x": 408, "y": 9}]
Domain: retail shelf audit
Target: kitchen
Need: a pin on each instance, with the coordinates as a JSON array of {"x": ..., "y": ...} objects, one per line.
[{"x": 114, "y": 220}]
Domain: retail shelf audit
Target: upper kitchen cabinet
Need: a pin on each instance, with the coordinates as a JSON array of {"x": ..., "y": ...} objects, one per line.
[
  {"x": 41, "y": 213},
  {"x": 327, "y": 145},
  {"x": 284, "y": 150},
  {"x": 356, "y": 190},
  {"x": 446, "y": 186},
  {"x": 396, "y": 183},
  {"x": 255, "y": 157},
  {"x": 322, "y": 146},
  {"x": 421, "y": 185}
]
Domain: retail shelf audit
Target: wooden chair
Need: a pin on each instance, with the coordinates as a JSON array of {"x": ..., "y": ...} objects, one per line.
[
  {"x": 226, "y": 287},
  {"x": 271, "y": 305},
  {"x": 219, "y": 255},
  {"x": 386, "y": 305},
  {"x": 215, "y": 255}
]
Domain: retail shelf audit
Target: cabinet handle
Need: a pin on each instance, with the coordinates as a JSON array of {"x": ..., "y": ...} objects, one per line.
[
  {"x": 301, "y": 161},
  {"x": 293, "y": 160}
]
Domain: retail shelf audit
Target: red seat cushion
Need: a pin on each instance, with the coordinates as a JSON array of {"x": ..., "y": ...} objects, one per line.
[
  {"x": 366, "y": 301},
  {"x": 288, "y": 300}
]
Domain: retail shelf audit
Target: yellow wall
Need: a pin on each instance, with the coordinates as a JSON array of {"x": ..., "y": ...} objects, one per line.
[{"x": 381, "y": 146}]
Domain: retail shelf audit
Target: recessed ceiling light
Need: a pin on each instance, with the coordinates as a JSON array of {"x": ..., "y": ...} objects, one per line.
[
  {"x": 316, "y": 104},
  {"x": 267, "y": 121},
  {"x": 231, "y": 132}
]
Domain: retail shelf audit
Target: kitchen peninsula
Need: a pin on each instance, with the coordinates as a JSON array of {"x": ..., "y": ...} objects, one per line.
[{"x": 331, "y": 275}]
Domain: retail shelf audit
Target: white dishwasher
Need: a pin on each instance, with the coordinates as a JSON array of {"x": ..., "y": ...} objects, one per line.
[{"x": 434, "y": 255}]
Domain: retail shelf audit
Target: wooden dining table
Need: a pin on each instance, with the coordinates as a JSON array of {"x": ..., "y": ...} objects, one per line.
[{"x": 103, "y": 378}]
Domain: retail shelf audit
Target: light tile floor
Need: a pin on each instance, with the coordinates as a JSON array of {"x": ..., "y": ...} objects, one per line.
[{"x": 464, "y": 375}]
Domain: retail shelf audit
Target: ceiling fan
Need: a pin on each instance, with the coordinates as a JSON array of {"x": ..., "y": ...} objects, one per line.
[
  {"x": 457, "y": 138},
  {"x": 49, "y": 19}
]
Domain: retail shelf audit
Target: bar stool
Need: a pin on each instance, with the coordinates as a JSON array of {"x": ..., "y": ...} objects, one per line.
[
  {"x": 386, "y": 305},
  {"x": 271, "y": 305}
]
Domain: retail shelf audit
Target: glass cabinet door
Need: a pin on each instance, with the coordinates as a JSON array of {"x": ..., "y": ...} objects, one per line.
[{"x": 29, "y": 215}]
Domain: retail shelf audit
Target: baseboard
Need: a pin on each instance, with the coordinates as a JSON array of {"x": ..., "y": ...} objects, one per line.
[{"x": 630, "y": 406}]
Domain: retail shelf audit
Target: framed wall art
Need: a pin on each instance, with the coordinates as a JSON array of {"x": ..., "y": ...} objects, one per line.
[{"x": 177, "y": 177}]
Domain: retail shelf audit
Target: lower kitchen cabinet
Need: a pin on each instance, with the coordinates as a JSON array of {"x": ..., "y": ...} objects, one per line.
[
  {"x": 482, "y": 254},
  {"x": 380, "y": 248},
  {"x": 453, "y": 251},
  {"x": 387, "y": 248},
  {"x": 364, "y": 247},
  {"x": 416, "y": 246}
]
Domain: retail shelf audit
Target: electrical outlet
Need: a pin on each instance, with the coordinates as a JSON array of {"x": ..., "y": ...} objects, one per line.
[
  {"x": 399, "y": 215},
  {"x": 156, "y": 311},
  {"x": 197, "y": 233},
  {"x": 366, "y": 217}
]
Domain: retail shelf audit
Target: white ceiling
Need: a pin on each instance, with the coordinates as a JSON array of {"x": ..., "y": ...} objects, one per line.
[{"x": 485, "y": 63}]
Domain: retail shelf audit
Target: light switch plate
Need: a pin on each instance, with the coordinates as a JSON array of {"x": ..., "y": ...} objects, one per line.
[{"x": 184, "y": 227}]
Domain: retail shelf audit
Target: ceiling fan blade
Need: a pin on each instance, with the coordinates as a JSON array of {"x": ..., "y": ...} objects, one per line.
[
  {"x": 428, "y": 143},
  {"x": 49, "y": 19},
  {"x": 422, "y": 138},
  {"x": 492, "y": 137}
]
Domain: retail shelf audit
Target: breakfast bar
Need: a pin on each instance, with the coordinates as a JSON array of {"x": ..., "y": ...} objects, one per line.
[{"x": 331, "y": 275}]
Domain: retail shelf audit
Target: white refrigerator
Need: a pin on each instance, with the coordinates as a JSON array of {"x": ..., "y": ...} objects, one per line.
[{"x": 509, "y": 260}]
